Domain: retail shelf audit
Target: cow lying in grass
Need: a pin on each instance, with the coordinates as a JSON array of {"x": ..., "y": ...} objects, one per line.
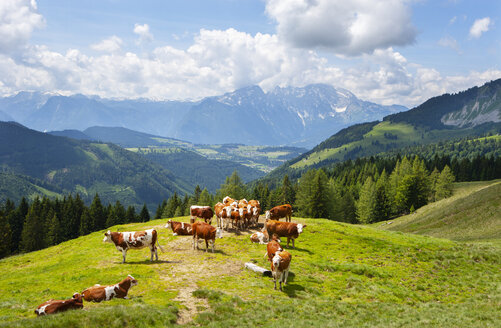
[
  {"x": 285, "y": 229},
  {"x": 179, "y": 228},
  {"x": 133, "y": 240},
  {"x": 260, "y": 237},
  {"x": 205, "y": 231},
  {"x": 55, "y": 306},
  {"x": 98, "y": 293},
  {"x": 280, "y": 267}
]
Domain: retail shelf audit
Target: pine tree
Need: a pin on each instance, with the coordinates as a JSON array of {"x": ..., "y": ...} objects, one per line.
[
  {"x": 130, "y": 214},
  {"x": 287, "y": 194},
  {"x": 5, "y": 235},
  {"x": 171, "y": 206},
  {"x": 366, "y": 205},
  {"x": 382, "y": 210},
  {"x": 32, "y": 237},
  {"x": 158, "y": 213},
  {"x": 233, "y": 187},
  {"x": 16, "y": 221},
  {"x": 205, "y": 198},
  {"x": 54, "y": 233},
  {"x": 304, "y": 193},
  {"x": 98, "y": 214},
  {"x": 196, "y": 195},
  {"x": 443, "y": 188},
  {"x": 144, "y": 215}
]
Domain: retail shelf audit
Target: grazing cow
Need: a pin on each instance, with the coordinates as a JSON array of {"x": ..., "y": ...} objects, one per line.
[
  {"x": 55, "y": 306},
  {"x": 207, "y": 232},
  {"x": 202, "y": 212},
  {"x": 280, "y": 267},
  {"x": 133, "y": 240},
  {"x": 260, "y": 237},
  {"x": 278, "y": 212},
  {"x": 285, "y": 229},
  {"x": 98, "y": 293},
  {"x": 179, "y": 228},
  {"x": 273, "y": 246}
]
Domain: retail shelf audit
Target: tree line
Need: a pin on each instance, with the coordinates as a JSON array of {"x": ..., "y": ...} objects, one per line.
[{"x": 46, "y": 222}]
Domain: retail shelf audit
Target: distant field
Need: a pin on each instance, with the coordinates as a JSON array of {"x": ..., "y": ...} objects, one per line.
[
  {"x": 341, "y": 276},
  {"x": 472, "y": 213}
]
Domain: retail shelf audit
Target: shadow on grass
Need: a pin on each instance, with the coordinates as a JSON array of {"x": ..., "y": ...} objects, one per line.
[
  {"x": 299, "y": 249},
  {"x": 218, "y": 251},
  {"x": 292, "y": 289},
  {"x": 149, "y": 262}
]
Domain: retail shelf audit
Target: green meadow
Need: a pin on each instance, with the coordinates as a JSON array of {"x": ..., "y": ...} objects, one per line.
[{"x": 341, "y": 276}]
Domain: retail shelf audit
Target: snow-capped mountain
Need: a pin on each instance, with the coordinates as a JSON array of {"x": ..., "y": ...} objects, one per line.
[{"x": 301, "y": 116}]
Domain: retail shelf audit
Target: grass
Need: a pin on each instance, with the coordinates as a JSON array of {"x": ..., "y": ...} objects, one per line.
[
  {"x": 341, "y": 276},
  {"x": 472, "y": 213}
]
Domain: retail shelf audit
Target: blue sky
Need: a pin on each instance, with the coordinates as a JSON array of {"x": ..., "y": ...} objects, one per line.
[{"x": 387, "y": 51}]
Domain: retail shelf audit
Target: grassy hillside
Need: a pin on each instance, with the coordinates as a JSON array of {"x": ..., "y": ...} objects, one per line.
[
  {"x": 341, "y": 276},
  {"x": 472, "y": 213}
]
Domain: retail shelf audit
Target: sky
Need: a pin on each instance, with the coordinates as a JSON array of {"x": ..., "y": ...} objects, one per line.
[{"x": 386, "y": 51}]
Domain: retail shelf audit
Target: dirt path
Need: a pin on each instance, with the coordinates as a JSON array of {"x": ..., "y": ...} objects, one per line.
[{"x": 190, "y": 267}]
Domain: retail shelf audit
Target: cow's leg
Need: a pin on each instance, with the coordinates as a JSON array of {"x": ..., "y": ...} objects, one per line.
[
  {"x": 293, "y": 243},
  {"x": 206, "y": 245},
  {"x": 286, "y": 274},
  {"x": 152, "y": 251},
  {"x": 288, "y": 238},
  {"x": 193, "y": 242},
  {"x": 124, "y": 254},
  {"x": 212, "y": 243}
]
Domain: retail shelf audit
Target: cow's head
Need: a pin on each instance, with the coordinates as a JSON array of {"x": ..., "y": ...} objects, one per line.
[
  {"x": 77, "y": 297},
  {"x": 107, "y": 237},
  {"x": 275, "y": 238},
  {"x": 276, "y": 259},
  {"x": 267, "y": 215},
  {"x": 219, "y": 233},
  {"x": 168, "y": 223},
  {"x": 133, "y": 282},
  {"x": 300, "y": 227}
]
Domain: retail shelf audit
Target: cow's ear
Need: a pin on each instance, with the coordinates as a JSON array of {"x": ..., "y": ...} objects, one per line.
[{"x": 304, "y": 225}]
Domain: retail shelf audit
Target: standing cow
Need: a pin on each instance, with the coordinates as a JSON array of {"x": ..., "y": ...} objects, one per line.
[
  {"x": 278, "y": 212},
  {"x": 280, "y": 267},
  {"x": 285, "y": 229},
  {"x": 133, "y": 240},
  {"x": 205, "y": 231},
  {"x": 98, "y": 293},
  {"x": 202, "y": 212},
  {"x": 55, "y": 306}
]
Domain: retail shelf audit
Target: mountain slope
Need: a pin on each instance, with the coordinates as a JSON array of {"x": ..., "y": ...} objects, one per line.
[
  {"x": 86, "y": 167},
  {"x": 473, "y": 213},
  {"x": 340, "y": 275},
  {"x": 300, "y": 116}
]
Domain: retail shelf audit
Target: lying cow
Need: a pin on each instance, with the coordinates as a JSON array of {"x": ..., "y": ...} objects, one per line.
[
  {"x": 133, "y": 240},
  {"x": 55, "y": 306},
  {"x": 260, "y": 237},
  {"x": 205, "y": 231},
  {"x": 179, "y": 228},
  {"x": 278, "y": 212},
  {"x": 202, "y": 212},
  {"x": 280, "y": 267},
  {"x": 98, "y": 293},
  {"x": 284, "y": 229}
]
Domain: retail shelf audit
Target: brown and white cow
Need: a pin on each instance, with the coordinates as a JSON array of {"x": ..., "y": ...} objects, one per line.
[
  {"x": 133, "y": 240},
  {"x": 229, "y": 214},
  {"x": 202, "y": 212},
  {"x": 273, "y": 247},
  {"x": 227, "y": 201},
  {"x": 205, "y": 231},
  {"x": 284, "y": 229},
  {"x": 217, "y": 210},
  {"x": 245, "y": 214},
  {"x": 280, "y": 211},
  {"x": 98, "y": 293},
  {"x": 256, "y": 211},
  {"x": 242, "y": 203},
  {"x": 260, "y": 237},
  {"x": 55, "y": 306},
  {"x": 280, "y": 267},
  {"x": 179, "y": 228}
]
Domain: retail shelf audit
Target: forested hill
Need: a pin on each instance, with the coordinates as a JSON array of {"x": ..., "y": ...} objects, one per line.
[
  {"x": 86, "y": 167},
  {"x": 471, "y": 113}
]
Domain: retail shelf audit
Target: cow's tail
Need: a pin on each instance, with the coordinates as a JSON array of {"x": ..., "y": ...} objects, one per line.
[{"x": 159, "y": 246}]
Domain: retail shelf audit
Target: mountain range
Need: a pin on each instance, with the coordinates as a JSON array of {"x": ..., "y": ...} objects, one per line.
[{"x": 300, "y": 116}]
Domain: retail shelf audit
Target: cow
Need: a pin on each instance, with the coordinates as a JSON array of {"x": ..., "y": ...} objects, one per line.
[
  {"x": 273, "y": 246},
  {"x": 179, "y": 228},
  {"x": 202, "y": 212},
  {"x": 260, "y": 237},
  {"x": 245, "y": 215},
  {"x": 55, "y": 306},
  {"x": 229, "y": 213},
  {"x": 98, "y": 293},
  {"x": 217, "y": 210},
  {"x": 133, "y": 240},
  {"x": 285, "y": 229},
  {"x": 229, "y": 201},
  {"x": 278, "y": 212},
  {"x": 242, "y": 203},
  {"x": 280, "y": 267},
  {"x": 207, "y": 232},
  {"x": 255, "y": 211}
]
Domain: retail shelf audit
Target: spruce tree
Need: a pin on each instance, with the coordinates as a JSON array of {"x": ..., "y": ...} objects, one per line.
[
  {"x": 443, "y": 188},
  {"x": 32, "y": 237},
  {"x": 304, "y": 193},
  {"x": 16, "y": 221},
  {"x": 130, "y": 214},
  {"x": 287, "y": 194},
  {"x": 144, "y": 215},
  {"x": 205, "y": 198},
  {"x": 98, "y": 214},
  {"x": 54, "y": 231},
  {"x": 233, "y": 187},
  {"x": 5, "y": 235},
  {"x": 366, "y": 205},
  {"x": 196, "y": 195}
]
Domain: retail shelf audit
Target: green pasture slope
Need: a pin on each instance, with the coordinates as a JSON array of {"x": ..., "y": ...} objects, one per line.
[
  {"x": 473, "y": 213},
  {"x": 341, "y": 276}
]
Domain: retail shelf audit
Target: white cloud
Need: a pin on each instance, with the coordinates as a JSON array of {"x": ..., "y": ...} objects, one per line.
[
  {"x": 346, "y": 27},
  {"x": 144, "y": 33},
  {"x": 480, "y": 26},
  {"x": 449, "y": 42},
  {"x": 111, "y": 44},
  {"x": 18, "y": 19}
]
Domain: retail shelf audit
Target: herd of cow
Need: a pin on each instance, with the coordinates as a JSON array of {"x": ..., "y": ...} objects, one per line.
[{"x": 240, "y": 214}]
